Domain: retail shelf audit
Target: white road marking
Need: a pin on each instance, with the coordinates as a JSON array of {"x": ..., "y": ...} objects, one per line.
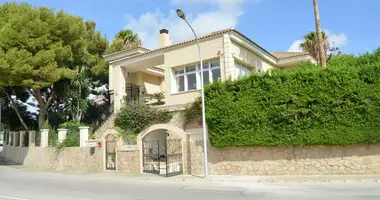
[{"x": 12, "y": 198}]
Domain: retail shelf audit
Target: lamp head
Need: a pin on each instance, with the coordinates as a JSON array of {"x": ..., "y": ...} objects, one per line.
[{"x": 181, "y": 14}]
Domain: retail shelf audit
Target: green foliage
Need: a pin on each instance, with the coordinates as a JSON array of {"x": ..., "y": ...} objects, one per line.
[
  {"x": 39, "y": 48},
  {"x": 39, "y": 41},
  {"x": 73, "y": 136},
  {"x": 193, "y": 110},
  {"x": 124, "y": 40},
  {"x": 78, "y": 94},
  {"x": 159, "y": 96},
  {"x": 339, "y": 105},
  {"x": 129, "y": 138},
  {"x": 136, "y": 117}
]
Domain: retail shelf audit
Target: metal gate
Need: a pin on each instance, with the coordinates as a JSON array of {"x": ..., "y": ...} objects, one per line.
[
  {"x": 174, "y": 164},
  {"x": 168, "y": 162},
  {"x": 132, "y": 91},
  {"x": 151, "y": 156},
  {"x": 111, "y": 154}
]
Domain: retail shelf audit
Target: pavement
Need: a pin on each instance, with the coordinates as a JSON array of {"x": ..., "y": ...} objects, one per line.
[{"x": 25, "y": 184}]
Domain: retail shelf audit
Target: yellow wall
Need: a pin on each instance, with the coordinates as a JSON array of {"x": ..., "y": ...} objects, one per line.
[
  {"x": 151, "y": 83},
  {"x": 243, "y": 54},
  {"x": 184, "y": 56}
]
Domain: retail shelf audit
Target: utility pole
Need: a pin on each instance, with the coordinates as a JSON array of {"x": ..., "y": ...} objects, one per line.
[{"x": 321, "y": 43}]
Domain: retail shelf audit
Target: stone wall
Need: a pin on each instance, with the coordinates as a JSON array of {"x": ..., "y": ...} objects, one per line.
[
  {"x": 128, "y": 161},
  {"x": 67, "y": 159},
  {"x": 311, "y": 160}
]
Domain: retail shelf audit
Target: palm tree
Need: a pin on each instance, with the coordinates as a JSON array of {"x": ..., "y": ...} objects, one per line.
[
  {"x": 129, "y": 38},
  {"x": 77, "y": 102},
  {"x": 322, "y": 54},
  {"x": 124, "y": 40},
  {"x": 311, "y": 45}
]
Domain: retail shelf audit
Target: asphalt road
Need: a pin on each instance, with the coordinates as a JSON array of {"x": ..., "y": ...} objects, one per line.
[{"x": 28, "y": 185}]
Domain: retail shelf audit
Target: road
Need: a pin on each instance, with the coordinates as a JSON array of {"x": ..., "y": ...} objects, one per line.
[{"x": 29, "y": 185}]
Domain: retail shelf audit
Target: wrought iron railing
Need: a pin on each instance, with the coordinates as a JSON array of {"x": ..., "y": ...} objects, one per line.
[{"x": 106, "y": 113}]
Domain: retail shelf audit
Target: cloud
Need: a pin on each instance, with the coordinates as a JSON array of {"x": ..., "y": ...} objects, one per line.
[
  {"x": 220, "y": 14},
  {"x": 295, "y": 47},
  {"x": 335, "y": 40}
]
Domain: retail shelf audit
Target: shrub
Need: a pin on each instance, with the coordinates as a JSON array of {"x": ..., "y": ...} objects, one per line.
[
  {"x": 305, "y": 106},
  {"x": 136, "y": 117},
  {"x": 73, "y": 136},
  {"x": 193, "y": 110}
]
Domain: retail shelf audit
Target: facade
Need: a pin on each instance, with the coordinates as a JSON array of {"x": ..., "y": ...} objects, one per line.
[{"x": 173, "y": 69}]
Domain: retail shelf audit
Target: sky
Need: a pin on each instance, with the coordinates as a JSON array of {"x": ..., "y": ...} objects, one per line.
[{"x": 276, "y": 25}]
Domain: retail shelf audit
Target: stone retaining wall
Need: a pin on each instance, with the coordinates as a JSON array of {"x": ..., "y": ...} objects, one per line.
[
  {"x": 128, "y": 161},
  {"x": 67, "y": 159},
  {"x": 311, "y": 160}
]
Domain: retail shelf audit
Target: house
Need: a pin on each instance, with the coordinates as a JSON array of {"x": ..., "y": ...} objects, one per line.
[{"x": 174, "y": 70}]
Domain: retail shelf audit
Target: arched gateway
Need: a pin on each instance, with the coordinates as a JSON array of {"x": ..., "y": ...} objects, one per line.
[{"x": 161, "y": 150}]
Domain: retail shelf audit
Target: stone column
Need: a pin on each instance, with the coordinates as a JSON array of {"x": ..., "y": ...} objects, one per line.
[
  {"x": 21, "y": 139},
  {"x": 62, "y": 132},
  {"x": 10, "y": 135},
  {"x": 32, "y": 139},
  {"x": 83, "y": 131},
  {"x": 44, "y": 138},
  {"x": 14, "y": 138}
]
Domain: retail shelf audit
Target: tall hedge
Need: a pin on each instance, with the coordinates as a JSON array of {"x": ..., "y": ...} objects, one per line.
[{"x": 306, "y": 106}]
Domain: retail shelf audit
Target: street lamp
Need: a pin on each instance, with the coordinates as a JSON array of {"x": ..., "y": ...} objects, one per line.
[{"x": 182, "y": 15}]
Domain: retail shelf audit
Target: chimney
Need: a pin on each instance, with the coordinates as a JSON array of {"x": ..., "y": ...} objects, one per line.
[{"x": 164, "y": 39}]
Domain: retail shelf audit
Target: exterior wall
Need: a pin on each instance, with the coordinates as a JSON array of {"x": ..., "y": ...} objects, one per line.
[
  {"x": 128, "y": 161},
  {"x": 151, "y": 83},
  {"x": 244, "y": 55},
  {"x": 118, "y": 86},
  {"x": 227, "y": 63},
  {"x": 183, "y": 56},
  {"x": 311, "y": 160},
  {"x": 67, "y": 159}
]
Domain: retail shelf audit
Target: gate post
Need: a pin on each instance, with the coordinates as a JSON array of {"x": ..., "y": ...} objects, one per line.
[
  {"x": 32, "y": 139},
  {"x": 61, "y": 134},
  {"x": 44, "y": 138},
  {"x": 83, "y": 131}
]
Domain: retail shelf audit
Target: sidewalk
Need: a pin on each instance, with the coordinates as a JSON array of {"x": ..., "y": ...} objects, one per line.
[
  {"x": 373, "y": 178},
  {"x": 355, "y": 178}
]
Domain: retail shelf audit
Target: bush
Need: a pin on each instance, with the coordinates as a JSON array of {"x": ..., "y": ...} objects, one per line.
[
  {"x": 135, "y": 117},
  {"x": 193, "y": 110},
  {"x": 73, "y": 136},
  {"x": 305, "y": 106}
]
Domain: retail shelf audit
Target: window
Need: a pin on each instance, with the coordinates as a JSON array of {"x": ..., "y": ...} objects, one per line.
[
  {"x": 241, "y": 70},
  {"x": 189, "y": 78},
  {"x": 191, "y": 75}
]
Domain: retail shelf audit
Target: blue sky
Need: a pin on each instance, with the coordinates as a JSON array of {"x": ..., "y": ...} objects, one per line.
[{"x": 276, "y": 25}]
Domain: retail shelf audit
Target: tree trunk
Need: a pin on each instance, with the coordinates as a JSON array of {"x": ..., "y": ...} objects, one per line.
[
  {"x": 43, "y": 106},
  {"x": 41, "y": 117},
  {"x": 322, "y": 55},
  {"x": 13, "y": 104}
]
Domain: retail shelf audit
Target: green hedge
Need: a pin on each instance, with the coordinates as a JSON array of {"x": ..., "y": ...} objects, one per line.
[{"x": 306, "y": 106}]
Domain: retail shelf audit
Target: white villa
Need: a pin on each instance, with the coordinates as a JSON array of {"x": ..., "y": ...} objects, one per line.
[{"x": 173, "y": 69}]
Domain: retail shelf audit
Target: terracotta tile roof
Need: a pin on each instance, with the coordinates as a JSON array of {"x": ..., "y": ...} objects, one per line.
[
  {"x": 283, "y": 55},
  {"x": 177, "y": 44},
  {"x": 215, "y": 33}
]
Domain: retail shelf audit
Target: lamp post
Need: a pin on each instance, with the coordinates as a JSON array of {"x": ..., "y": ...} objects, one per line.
[{"x": 182, "y": 15}]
